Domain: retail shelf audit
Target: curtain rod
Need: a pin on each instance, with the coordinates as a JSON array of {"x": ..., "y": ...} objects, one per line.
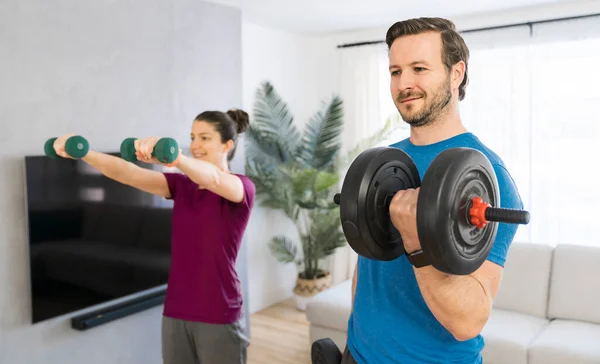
[{"x": 529, "y": 23}]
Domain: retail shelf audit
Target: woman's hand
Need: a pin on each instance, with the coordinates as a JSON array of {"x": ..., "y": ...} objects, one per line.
[
  {"x": 144, "y": 148},
  {"x": 59, "y": 146}
]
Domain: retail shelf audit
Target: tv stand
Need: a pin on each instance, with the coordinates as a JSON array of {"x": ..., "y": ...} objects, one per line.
[{"x": 113, "y": 312}]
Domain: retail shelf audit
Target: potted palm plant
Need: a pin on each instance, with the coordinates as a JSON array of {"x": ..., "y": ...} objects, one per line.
[{"x": 298, "y": 173}]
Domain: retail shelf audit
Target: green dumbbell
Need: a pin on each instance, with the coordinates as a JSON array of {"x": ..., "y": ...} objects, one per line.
[
  {"x": 166, "y": 150},
  {"x": 76, "y": 146}
]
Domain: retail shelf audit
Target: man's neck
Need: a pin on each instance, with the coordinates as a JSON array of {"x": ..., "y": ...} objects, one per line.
[{"x": 444, "y": 127}]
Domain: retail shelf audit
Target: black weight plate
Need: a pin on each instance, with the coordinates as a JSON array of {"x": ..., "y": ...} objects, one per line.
[
  {"x": 370, "y": 183},
  {"x": 325, "y": 351},
  {"x": 451, "y": 243},
  {"x": 349, "y": 202}
]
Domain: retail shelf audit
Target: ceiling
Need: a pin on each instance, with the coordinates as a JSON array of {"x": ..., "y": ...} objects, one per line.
[{"x": 325, "y": 16}]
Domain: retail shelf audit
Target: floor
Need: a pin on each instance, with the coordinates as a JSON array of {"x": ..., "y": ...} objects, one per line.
[{"x": 279, "y": 334}]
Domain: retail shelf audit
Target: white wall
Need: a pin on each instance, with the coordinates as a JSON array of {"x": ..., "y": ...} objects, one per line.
[
  {"x": 304, "y": 69},
  {"x": 285, "y": 60},
  {"x": 107, "y": 70}
]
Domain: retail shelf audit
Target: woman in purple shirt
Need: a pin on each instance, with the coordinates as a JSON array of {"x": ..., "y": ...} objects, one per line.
[{"x": 202, "y": 318}]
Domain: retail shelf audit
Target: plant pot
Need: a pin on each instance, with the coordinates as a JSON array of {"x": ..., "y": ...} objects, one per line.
[{"x": 306, "y": 289}]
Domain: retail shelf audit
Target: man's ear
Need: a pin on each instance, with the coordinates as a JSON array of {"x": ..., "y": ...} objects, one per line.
[{"x": 458, "y": 74}]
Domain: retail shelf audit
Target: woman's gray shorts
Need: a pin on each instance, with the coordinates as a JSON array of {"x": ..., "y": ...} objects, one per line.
[{"x": 186, "y": 342}]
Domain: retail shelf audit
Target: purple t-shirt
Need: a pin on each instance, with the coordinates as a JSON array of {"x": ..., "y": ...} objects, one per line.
[{"x": 206, "y": 237}]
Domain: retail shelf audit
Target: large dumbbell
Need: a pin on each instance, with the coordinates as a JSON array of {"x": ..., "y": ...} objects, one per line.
[
  {"x": 457, "y": 213},
  {"x": 166, "y": 150},
  {"x": 76, "y": 146},
  {"x": 325, "y": 351}
]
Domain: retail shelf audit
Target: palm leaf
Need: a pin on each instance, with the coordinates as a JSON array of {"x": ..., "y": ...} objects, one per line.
[
  {"x": 273, "y": 125},
  {"x": 283, "y": 249},
  {"x": 325, "y": 180},
  {"x": 302, "y": 181},
  {"x": 263, "y": 175},
  {"x": 310, "y": 185},
  {"x": 390, "y": 126},
  {"x": 273, "y": 188},
  {"x": 262, "y": 147},
  {"x": 322, "y": 135},
  {"x": 326, "y": 230}
]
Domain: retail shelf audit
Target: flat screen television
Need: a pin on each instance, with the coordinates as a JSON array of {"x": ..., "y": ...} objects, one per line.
[{"x": 91, "y": 239}]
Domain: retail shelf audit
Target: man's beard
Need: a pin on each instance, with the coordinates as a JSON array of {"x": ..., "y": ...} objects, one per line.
[{"x": 432, "y": 109}]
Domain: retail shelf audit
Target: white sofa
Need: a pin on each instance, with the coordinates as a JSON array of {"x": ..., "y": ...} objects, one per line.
[{"x": 547, "y": 310}]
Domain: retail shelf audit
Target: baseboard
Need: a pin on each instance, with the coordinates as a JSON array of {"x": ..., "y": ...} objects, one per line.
[{"x": 110, "y": 313}]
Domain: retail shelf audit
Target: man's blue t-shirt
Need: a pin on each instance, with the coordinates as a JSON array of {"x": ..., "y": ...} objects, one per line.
[{"x": 391, "y": 322}]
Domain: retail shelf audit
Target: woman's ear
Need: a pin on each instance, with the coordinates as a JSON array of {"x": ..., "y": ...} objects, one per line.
[{"x": 228, "y": 146}]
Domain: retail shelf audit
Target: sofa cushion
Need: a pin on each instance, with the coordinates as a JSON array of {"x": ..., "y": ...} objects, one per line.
[
  {"x": 565, "y": 341},
  {"x": 507, "y": 335},
  {"x": 575, "y": 287},
  {"x": 525, "y": 280},
  {"x": 331, "y": 308}
]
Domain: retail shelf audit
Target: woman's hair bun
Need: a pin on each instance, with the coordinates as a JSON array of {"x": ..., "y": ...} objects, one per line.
[{"x": 241, "y": 119}]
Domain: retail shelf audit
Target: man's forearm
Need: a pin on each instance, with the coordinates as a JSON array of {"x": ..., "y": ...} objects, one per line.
[{"x": 459, "y": 303}]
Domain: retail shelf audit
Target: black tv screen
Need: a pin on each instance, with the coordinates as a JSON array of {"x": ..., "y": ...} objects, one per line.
[{"x": 91, "y": 239}]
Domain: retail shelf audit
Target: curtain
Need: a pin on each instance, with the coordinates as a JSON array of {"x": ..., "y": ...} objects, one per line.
[
  {"x": 565, "y": 133},
  {"x": 497, "y": 102},
  {"x": 364, "y": 88},
  {"x": 531, "y": 98}
]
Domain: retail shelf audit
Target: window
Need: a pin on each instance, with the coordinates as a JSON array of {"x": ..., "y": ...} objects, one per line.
[{"x": 564, "y": 139}]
